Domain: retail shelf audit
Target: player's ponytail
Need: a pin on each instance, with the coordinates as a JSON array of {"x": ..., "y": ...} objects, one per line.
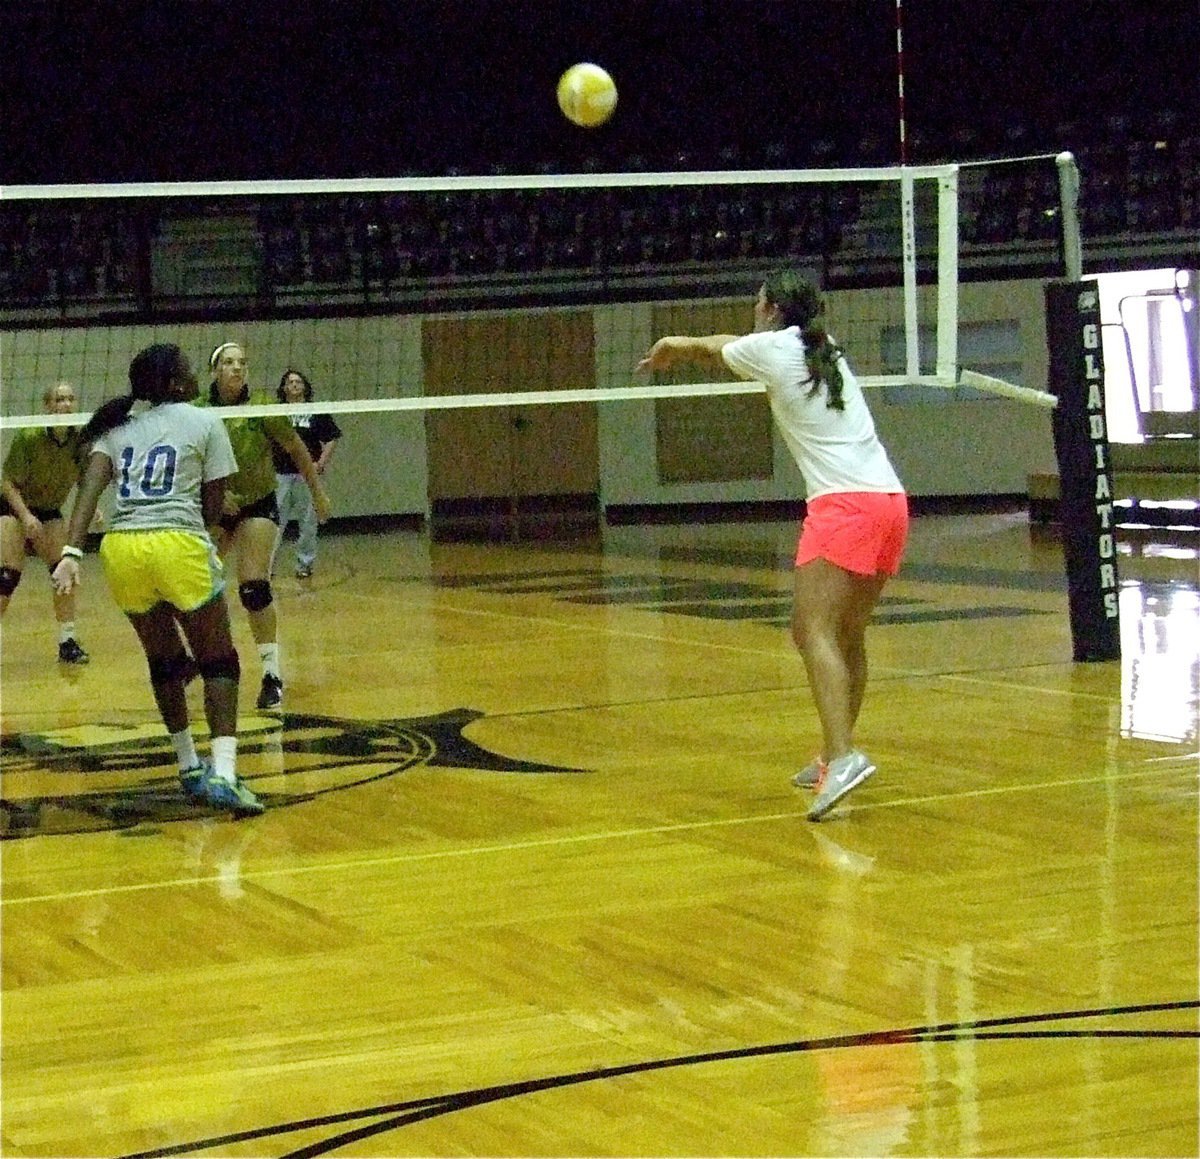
[
  {"x": 800, "y": 305},
  {"x": 106, "y": 417},
  {"x": 821, "y": 356},
  {"x": 151, "y": 374}
]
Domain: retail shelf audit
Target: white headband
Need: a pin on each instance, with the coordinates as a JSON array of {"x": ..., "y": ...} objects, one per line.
[{"x": 215, "y": 356}]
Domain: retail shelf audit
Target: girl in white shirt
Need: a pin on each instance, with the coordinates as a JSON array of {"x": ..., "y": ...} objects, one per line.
[
  {"x": 856, "y": 525},
  {"x": 168, "y": 462}
]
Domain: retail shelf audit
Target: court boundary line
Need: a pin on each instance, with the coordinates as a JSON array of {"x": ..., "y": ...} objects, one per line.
[
  {"x": 565, "y": 840},
  {"x": 395, "y": 1115}
]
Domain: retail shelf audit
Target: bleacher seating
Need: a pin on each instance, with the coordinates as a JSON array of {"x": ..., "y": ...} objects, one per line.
[{"x": 1139, "y": 182}]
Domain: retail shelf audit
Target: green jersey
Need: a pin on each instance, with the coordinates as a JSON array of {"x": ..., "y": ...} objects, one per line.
[
  {"x": 252, "y": 440},
  {"x": 44, "y": 463}
]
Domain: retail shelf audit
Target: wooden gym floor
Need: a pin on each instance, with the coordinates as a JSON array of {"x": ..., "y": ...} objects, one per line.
[{"x": 532, "y": 880}]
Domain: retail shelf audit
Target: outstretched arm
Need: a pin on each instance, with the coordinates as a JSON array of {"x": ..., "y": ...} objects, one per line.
[{"x": 670, "y": 351}]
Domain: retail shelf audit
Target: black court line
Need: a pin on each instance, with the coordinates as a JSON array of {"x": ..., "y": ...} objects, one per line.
[
  {"x": 938, "y": 615},
  {"x": 401, "y": 1114},
  {"x": 965, "y": 575},
  {"x": 777, "y": 614},
  {"x": 715, "y": 599}
]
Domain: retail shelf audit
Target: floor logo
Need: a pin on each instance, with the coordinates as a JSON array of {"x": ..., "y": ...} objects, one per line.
[{"x": 119, "y": 777}]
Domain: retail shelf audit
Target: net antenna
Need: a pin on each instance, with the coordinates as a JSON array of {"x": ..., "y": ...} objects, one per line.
[
  {"x": 947, "y": 337},
  {"x": 900, "y": 81}
]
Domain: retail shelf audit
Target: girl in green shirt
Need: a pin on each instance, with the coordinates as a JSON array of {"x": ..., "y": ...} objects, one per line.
[
  {"x": 40, "y": 470},
  {"x": 251, "y": 519}
]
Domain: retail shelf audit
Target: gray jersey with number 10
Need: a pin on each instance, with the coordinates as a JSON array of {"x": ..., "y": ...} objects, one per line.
[{"x": 160, "y": 456}]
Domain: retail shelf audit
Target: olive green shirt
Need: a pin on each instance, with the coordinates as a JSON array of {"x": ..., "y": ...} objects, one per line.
[
  {"x": 252, "y": 440},
  {"x": 43, "y": 468}
]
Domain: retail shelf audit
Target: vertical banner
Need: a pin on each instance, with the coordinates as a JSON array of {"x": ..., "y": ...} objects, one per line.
[{"x": 1084, "y": 467}]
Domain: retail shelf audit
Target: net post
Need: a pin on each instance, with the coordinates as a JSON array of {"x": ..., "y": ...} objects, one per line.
[
  {"x": 1084, "y": 468},
  {"x": 947, "y": 277},
  {"x": 908, "y": 230},
  {"x": 1068, "y": 198}
]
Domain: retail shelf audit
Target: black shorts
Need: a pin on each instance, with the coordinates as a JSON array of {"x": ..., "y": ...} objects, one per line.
[
  {"x": 264, "y": 508},
  {"x": 45, "y": 514}
]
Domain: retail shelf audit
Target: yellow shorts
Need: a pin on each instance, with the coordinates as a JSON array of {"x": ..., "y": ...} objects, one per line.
[{"x": 145, "y": 568}]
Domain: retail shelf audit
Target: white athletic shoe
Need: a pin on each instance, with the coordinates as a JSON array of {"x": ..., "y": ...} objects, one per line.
[
  {"x": 844, "y": 773},
  {"x": 811, "y": 775}
]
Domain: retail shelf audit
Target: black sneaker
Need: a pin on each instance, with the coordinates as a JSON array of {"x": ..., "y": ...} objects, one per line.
[
  {"x": 69, "y": 652},
  {"x": 271, "y": 693}
]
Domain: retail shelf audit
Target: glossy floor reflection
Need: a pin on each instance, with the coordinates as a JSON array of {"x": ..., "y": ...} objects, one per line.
[
  {"x": 532, "y": 879},
  {"x": 1159, "y": 672}
]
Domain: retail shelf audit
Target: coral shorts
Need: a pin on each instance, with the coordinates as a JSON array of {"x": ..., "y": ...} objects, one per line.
[{"x": 861, "y": 531}]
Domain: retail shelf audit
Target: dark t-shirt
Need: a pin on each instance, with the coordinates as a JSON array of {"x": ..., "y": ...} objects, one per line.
[{"x": 315, "y": 430}]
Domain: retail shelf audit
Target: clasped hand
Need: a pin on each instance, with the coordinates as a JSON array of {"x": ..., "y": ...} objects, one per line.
[{"x": 65, "y": 575}]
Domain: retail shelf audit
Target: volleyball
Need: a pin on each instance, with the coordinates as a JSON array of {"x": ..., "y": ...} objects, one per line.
[{"x": 586, "y": 95}]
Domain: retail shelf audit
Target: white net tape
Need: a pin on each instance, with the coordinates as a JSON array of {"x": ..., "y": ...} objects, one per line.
[
  {"x": 472, "y": 184},
  {"x": 528, "y": 398}
]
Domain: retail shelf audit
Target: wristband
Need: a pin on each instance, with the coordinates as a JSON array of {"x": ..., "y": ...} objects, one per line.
[{"x": 69, "y": 552}]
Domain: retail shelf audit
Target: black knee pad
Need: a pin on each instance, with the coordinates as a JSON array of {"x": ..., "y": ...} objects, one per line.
[
  {"x": 9, "y": 578},
  {"x": 255, "y": 595},
  {"x": 164, "y": 669},
  {"x": 222, "y": 668}
]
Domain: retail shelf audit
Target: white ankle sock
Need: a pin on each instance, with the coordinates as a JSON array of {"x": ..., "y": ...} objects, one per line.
[
  {"x": 269, "y": 655},
  {"x": 185, "y": 749},
  {"x": 224, "y": 757}
]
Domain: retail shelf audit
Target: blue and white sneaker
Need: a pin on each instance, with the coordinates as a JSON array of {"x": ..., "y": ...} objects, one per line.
[
  {"x": 232, "y": 795},
  {"x": 192, "y": 781}
]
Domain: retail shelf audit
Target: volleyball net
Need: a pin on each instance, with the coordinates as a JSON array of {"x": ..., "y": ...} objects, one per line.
[{"x": 500, "y": 280}]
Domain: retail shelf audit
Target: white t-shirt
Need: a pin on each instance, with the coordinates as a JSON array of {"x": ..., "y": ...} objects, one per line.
[
  {"x": 836, "y": 451},
  {"x": 160, "y": 456}
]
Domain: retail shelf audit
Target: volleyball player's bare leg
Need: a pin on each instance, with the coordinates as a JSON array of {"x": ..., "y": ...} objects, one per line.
[
  {"x": 12, "y": 554},
  {"x": 830, "y": 613},
  {"x": 253, "y": 540},
  {"x": 48, "y": 545},
  {"x": 208, "y": 635},
  {"x": 866, "y": 591},
  {"x": 49, "y": 549}
]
